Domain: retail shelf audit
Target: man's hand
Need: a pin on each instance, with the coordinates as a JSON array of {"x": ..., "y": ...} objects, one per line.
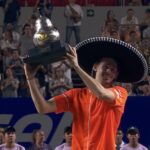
[
  {"x": 72, "y": 57},
  {"x": 30, "y": 72}
]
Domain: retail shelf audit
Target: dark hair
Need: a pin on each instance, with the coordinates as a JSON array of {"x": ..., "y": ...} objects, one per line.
[
  {"x": 132, "y": 130},
  {"x": 130, "y": 9},
  {"x": 68, "y": 129},
  {"x": 132, "y": 32},
  {"x": 108, "y": 14},
  {"x": 35, "y": 131},
  {"x": 9, "y": 129},
  {"x": 2, "y": 130},
  {"x": 26, "y": 25}
]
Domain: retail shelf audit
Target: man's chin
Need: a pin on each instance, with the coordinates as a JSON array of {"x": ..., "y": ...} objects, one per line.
[{"x": 108, "y": 81}]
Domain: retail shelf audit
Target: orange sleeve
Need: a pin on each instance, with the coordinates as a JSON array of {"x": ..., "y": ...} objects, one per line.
[
  {"x": 120, "y": 96},
  {"x": 63, "y": 102}
]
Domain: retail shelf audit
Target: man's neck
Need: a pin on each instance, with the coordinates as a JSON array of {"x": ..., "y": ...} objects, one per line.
[
  {"x": 68, "y": 143},
  {"x": 39, "y": 144},
  {"x": 134, "y": 145},
  {"x": 10, "y": 145}
]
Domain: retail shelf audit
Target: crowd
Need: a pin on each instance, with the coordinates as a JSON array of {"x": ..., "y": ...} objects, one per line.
[
  {"x": 8, "y": 139},
  {"x": 57, "y": 77},
  {"x": 136, "y": 32}
]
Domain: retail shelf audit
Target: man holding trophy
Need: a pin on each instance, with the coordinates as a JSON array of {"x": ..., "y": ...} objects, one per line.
[{"x": 97, "y": 108}]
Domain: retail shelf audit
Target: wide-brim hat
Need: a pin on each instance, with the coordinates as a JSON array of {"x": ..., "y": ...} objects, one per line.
[{"x": 131, "y": 63}]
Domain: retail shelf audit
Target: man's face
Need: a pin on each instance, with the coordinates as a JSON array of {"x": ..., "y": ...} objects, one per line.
[
  {"x": 119, "y": 135},
  {"x": 130, "y": 13},
  {"x": 68, "y": 137},
  {"x": 40, "y": 137},
  {"x": 106, "y": 71},
  {"x": 1, "y": 136},
  {"x": 10, "y": 137},
  {"x": 133, "y": 139}
]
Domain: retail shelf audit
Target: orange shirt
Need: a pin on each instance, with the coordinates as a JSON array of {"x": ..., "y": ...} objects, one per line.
[{"x": 95, "y": 121}]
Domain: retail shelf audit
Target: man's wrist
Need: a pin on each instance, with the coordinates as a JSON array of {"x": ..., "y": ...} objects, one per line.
[
  {"x": 76, "y": 66},
  {"x": 30, "y": 78}
]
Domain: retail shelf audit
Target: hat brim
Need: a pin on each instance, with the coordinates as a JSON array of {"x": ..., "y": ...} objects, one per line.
[{"x": 132, "y": 65}]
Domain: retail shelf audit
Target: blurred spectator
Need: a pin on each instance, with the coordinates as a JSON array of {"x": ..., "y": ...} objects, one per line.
[
  {"x": 73, "y": 14},
  {"x": 133, "y": 136},
  {"x": 49, "y": 78},
  {"x": 41, "y": 78},
  {"x": 38, "y": 138},
  {"x": 32, "y": 21},
  {"x": 127, "y": 21},
  {"x": 145, "y": 45},
  {"x": 11, "y": 13},
  {"x": 59, "y": 83},
  {"x": 10, "y": 84},
  {"x": 64, "y": 65},
  {"x": 1, "y": 63},
  {"x": 68, "y": 73},
  {"x": 110, "y": 17},
  {"x": 148, "y": 78},
  {"x": 15, "y": 34},
  {"x": 108, "y": 29},
  {"x": 23, "y": 90},
  {"x": 10, "y": 140},
  {"x": 144, "y": 21},
  {"x": 134, "y": 33},
  {"x": 145, "y": 88},
  {"x": 17, "y": 65},
  {"x": 1, "y": 135},
  {"x": 115, "y": 35},
  {"x": 146, "y": 31},
  {"x": 111, "y": 25},
  {"x": 142, "y": 88},
  {"x": 44, "y": 7},
  {"x": 119, "y": 139},
  {"x": 8, "y": 41},
  {"x": 68, "y": 140},
  {"x": 129, "y": 88},
  {"x": 133, "y": 39},
  {"x": 26, "y": 40},
  {"x": 145, "y": 49},
  {"x": 6, "y": 58}
]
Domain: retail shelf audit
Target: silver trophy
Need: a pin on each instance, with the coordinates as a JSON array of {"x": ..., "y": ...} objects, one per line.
[{"x": 48, "y": 47}]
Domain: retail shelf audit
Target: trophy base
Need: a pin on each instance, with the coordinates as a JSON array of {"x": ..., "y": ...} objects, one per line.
[{"x": 45, "y": 55}]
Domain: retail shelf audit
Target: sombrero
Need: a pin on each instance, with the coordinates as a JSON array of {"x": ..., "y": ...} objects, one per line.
[{"x": 132, "y": 64}]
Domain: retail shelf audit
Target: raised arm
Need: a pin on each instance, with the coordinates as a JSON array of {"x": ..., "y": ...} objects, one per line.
[
  {"x": 41, "y": 104},
  {"x": 95, "y": 86}
]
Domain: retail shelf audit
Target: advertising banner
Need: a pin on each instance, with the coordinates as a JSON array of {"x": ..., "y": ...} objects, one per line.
[{"x": 21, "y": 114}]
